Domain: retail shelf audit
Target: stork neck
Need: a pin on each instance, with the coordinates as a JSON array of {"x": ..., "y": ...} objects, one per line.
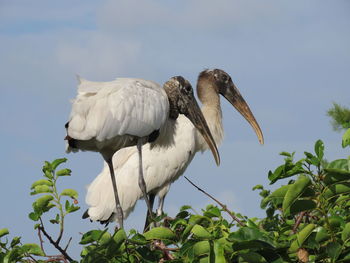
[
  {"x": 211, "y": 110},
  {"x": 166, "y": 136}
]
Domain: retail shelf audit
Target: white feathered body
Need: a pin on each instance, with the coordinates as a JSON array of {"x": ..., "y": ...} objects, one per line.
[
  {"x": 162, "y": 166},
  {"x": 113, "y": 114}
]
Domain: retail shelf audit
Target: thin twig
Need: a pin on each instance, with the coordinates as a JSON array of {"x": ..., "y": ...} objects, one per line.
[
  {"x": 70, "y": 239},
  {"x": 56, "y": 245},
  {"x": 32, "y": 258},
  {"x": 297, "y": 223},
  {"x": 56, "y": 258},
  {"x": 161, "y": 246},
  {"x": 41, "y": 241},
  {"x": 217, "y": 201}
]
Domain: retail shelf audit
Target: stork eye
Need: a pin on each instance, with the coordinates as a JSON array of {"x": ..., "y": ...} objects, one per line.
[{"x": 188, "y": 89}]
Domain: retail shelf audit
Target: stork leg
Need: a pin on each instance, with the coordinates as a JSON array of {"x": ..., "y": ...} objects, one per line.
[
  {"x": 119, "y": 209},
  {"x": 142, "y": 183},
  {"x": 148, "y": 216},
  {"x": 160, "y": 206}
]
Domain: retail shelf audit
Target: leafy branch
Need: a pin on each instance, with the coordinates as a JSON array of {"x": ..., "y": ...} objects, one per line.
[{"x": 52, "y": 198}]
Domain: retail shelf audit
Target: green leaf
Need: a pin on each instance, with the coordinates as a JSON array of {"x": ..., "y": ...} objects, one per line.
[
  {"x": 105, "y": 238},
  {"x": 4, "y": 232},
  {"x": 200, "y": 232},
  {"x": 258, "y": 187},
  {"x": 336, "y": 221},
  {"x": 161, "y": 233},
  {"x": 219, "y": 252},
  {"x": 70, "y": 192},
  {"x": 33, "y": 249},
  {"x": 90, "y": 236},
  {"x": 213, "y": 212},
  {"x": 72, "y": 209},
  {"x": 287, "y": 154},
  {"x": 319, "y": 149},
  {"x": 39, "y": 189},
  {"x": 119, "y": 237},
  {"x": 64, "y": 172},
  {"x": 286, "y": 170},
  {"x": 15, "y": 241},
  {"x": 301, "y": 237},
  {"x": 138, "y": 239},
  {"x": 57, "y": 162},
  {"x": 66, "y": 205},
  {"x": 280, "y": 192},
  {"x": 311, "y": 159},
  {"x": 201, "y": 248},
  {"x": 41, "y": 182},
  {"x": 252, "y": 244},
  {"x": 47, "y": 170},
  {"x": 339, "y": 164},
  {"x": 321, "y": 234},
  {"x": 247, "y": 234},
  {"x": 294, "y": 191},
  {"x": 345, "y": 235},
  {"x": 277, "y": 196},
  {"x": 182, "y": 214},
  {"x": 346, "y": 139},
  {"x": 302, "y": 205},
  {"x": 251, "y": 224},
  {"x": 334, "y": 250},
  {"x": 34, "y": 216},
  {"x": 336, "y": 189},
  {"x": 335, "y": 175},
  {"x": 43, "y": 201},
  {"x": 13, "y": 256},
  {"x": 185, "y": 207},
  {"x": 251, "y": 257}
]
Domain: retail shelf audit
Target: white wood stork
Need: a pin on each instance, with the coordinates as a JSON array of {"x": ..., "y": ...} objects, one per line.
[
  {"x": 108, "y": 116},
  {"x": 162, "y": 166}
]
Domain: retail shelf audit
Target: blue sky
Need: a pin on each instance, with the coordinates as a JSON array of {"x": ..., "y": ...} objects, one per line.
[{"x": 290, "y": 60}]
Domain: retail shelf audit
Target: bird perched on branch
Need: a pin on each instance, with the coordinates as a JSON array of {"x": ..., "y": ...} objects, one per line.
[
  {"x": 109, "y": 116},
  {"x": 162, "y": 166}
]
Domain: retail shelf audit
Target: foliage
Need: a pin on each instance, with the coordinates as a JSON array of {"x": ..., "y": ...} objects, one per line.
[
  {"x": 340, "y": 116},
  {"x": 341, "y": 121},
  {"x": 307, "y": 220},
  {"x": 14, "y": 250},
  {"x": 310, "y": 215},
  {"x": 50, "y": 199}
]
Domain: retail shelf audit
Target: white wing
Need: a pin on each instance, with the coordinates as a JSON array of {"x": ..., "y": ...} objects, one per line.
[
  {"x": 161, "y": 167},
  {"x": 103, "y": 110}
]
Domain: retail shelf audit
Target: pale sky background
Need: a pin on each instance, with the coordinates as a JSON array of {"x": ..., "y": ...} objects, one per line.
[{"x": 290, "y": 60}]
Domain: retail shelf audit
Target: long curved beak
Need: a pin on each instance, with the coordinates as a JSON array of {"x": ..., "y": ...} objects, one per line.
[
  {"x": 232, "y": 94},
  {"x": 195, "y": 115}
]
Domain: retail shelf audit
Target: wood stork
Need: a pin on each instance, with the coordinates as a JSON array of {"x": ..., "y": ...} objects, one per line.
[
  {"x": 108, "y": 116},
  {"x": 162, "y": 166}
]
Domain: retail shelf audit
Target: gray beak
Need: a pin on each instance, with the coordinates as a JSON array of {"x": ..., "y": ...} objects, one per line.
[
  {"x": 195, "y": 115},
  {"x": 232, "y": 94}
]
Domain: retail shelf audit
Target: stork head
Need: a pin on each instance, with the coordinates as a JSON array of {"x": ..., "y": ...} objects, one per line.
[
  {"x": 182, "y": 101},
  {"x": 219, "y": 82}
]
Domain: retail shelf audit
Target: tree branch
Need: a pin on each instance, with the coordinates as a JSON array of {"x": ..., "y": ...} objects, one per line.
[
  {"x": 217, "y": 201},
  {"x": 55, "y": 244},
  {"x": 41, "y": 241},
  {"x": 298, "y": 221}
]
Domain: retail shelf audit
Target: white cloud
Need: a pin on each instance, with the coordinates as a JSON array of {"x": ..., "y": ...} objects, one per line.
[
  {"x": 19, "y": 10},
  {"x": 195, "y": 14},
  {"x": 98, "y": 55},
  {"x": 125, "y": 14}
]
